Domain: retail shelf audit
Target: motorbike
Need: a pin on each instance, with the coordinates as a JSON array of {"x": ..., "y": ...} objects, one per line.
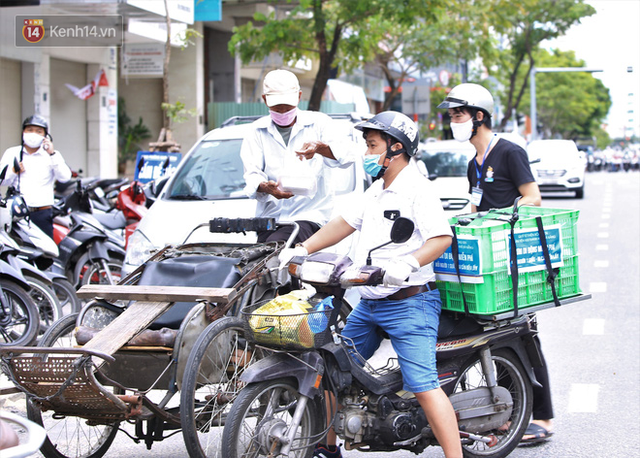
[
  {"x": 31, "y": 252},
  {"x": 19, "y": 316},
  {"x": 485, "y": 368},
  {"x": 89, "y": 253}
]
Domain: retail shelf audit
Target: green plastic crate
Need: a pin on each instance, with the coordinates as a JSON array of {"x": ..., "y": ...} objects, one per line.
[
  {"x": 493, "y": 231},
  {"x": 495, "y": 294}
]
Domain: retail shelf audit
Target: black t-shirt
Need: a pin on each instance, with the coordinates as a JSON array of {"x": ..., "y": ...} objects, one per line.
[{"x": 505, "y": 169}]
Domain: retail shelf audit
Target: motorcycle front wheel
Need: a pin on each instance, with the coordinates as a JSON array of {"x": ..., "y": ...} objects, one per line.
[
  {"x": 67, "y": 297},
  {"x": 267, "y": 408},
  {"x": 100, "y": 272},
  {"x": 19, "y": 317},
  {"x": 212, "y": 383},
  {"x": 512, "y": 376},
  {"x": 47, "y": 302},
  {"x": 69, "y": 436}
]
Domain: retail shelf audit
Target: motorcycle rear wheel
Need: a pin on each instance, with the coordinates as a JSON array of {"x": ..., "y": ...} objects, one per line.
[
  {"x": 20, "y": 325},
  {"x": 68, "y": 436},
  {"x": 269, "y": 406},
  {"x": 511, "y": 375}
]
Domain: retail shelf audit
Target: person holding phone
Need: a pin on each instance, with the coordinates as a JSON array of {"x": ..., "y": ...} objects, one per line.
[{"x": 33, "y": 167}]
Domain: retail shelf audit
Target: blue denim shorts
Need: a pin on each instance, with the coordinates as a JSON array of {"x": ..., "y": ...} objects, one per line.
[{"x": 412, "y": 325}]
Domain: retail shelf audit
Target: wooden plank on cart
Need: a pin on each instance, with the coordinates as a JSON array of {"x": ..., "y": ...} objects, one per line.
[
  {"x": 135, "y": 318},
  {"x": 149, "y": 293}
]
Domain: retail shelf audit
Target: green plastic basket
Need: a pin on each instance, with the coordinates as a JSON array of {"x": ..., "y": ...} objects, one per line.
[
  {"x": 493, "y": 229},
  {"x": 495, "y": 294}
]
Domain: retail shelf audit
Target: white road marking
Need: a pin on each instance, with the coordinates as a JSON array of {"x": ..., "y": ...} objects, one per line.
[
  {"x": 583, "y": 398},
  {"x": 602, "y": 247},
  {"x": 603, "y": 235},
  {"x": 604, "y": 225},
  {"x": 593, "y": 327},
  {"x": 606, "y": 216},
  {"x": 601, "y": 264},
  {"x": 598, "y": 287}
]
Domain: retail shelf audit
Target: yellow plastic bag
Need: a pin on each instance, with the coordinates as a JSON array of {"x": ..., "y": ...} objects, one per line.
[{"x": 283, "y": 321}]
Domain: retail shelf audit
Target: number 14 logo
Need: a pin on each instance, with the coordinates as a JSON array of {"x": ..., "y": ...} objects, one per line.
[{"x": 33, "y": 30}]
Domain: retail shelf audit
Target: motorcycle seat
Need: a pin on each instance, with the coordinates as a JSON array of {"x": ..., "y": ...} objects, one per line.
[{"x": 203, "y": 271}]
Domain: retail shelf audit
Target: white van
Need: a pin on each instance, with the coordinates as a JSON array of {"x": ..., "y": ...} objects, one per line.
[{"x": 208, "y": 183}]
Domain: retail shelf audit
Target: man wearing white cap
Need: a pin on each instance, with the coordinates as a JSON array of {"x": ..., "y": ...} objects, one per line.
[{"x": 287, "y": 157}]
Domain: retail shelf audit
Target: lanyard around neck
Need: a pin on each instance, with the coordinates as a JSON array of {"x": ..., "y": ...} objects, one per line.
[{"x": 484, "y": 158}]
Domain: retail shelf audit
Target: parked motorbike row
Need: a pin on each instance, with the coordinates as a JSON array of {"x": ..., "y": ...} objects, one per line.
[{"x": 39, "y": 276}]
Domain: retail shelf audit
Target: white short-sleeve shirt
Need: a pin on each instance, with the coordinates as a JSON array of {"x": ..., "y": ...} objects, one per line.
[{"x": 412, "y": 196}]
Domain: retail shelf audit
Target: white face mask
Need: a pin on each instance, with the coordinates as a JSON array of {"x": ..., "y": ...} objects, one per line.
[
  {"x": 32, "y": 140},
  {"x": 462, "y": 130}
]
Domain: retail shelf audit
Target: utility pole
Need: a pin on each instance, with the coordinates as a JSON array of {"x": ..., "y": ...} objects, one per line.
[{"x": 534, "y": 70}]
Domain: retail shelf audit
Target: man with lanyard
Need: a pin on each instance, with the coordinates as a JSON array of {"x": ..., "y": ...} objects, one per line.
[
  {"x": 39, "y": 165},
  {"x": 291, "y": 142},
  {"x": 498, "y": 174},
  {"x": 407, "y": 306}
]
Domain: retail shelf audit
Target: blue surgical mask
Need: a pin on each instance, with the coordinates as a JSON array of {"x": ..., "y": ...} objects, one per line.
[{"x": 371, "y": 165}]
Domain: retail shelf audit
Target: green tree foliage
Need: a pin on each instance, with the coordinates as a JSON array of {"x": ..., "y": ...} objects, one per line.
[
  {"x": 569, "y": 104},
  {"x": 521, "y": 26},
  {"x": 452, "y": 35},
  {"x": 335, "y": 33}
]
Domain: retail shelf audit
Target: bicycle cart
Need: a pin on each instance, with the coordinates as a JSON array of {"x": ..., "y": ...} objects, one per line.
[{"x": 126, "y": 355}]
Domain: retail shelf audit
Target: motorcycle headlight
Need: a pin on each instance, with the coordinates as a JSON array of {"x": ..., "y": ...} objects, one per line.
[
  {"x": 314, "y": 272},
  {"x": 139, "y": 248}
]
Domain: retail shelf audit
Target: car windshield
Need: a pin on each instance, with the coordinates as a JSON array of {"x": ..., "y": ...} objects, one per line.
[
  {"x": 213, "y": 171},
  {"x": 446, "y": 164}
]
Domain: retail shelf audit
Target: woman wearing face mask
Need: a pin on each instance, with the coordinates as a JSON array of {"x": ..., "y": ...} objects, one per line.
[
  {"x": 500, "y": 172},
  {"x": 39, "y": 165},
  {"x": 273, "y": 151}
]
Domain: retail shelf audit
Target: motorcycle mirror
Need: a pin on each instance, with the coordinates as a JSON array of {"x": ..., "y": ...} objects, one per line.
[
  {"x": 140, "y": 164},
  {"x": 402, "y": 230},
  {"x": 3, "y": 174}
]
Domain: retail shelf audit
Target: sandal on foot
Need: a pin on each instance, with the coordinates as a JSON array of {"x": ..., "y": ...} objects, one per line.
[{"x": 539, "y": 434}]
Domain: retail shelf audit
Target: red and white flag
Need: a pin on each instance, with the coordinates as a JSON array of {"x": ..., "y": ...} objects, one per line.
[{"x": 87, "y": 91}]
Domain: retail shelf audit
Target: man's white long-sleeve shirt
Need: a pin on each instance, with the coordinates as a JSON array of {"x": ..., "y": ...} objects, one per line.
[
  {"x": 266, "y": 157},
  {"x": 41, "y": 170}
]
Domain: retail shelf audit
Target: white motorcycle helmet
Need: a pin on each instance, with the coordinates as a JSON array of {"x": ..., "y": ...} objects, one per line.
[{"x": 469, "y": 95}]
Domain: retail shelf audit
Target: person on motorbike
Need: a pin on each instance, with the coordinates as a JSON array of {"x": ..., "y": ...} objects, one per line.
[
  {"x": 275, "y": 148},
  {"x": 39, "y": 165},
  {"x": 407, "y": 305},
  {"x": 498, "y": 174}
]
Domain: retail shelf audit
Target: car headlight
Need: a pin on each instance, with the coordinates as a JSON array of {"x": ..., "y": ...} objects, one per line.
[{"x": 139, "y": 248}]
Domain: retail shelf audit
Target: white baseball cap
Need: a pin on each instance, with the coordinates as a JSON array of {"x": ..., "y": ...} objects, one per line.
[{"x": 281, "y": 87}]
